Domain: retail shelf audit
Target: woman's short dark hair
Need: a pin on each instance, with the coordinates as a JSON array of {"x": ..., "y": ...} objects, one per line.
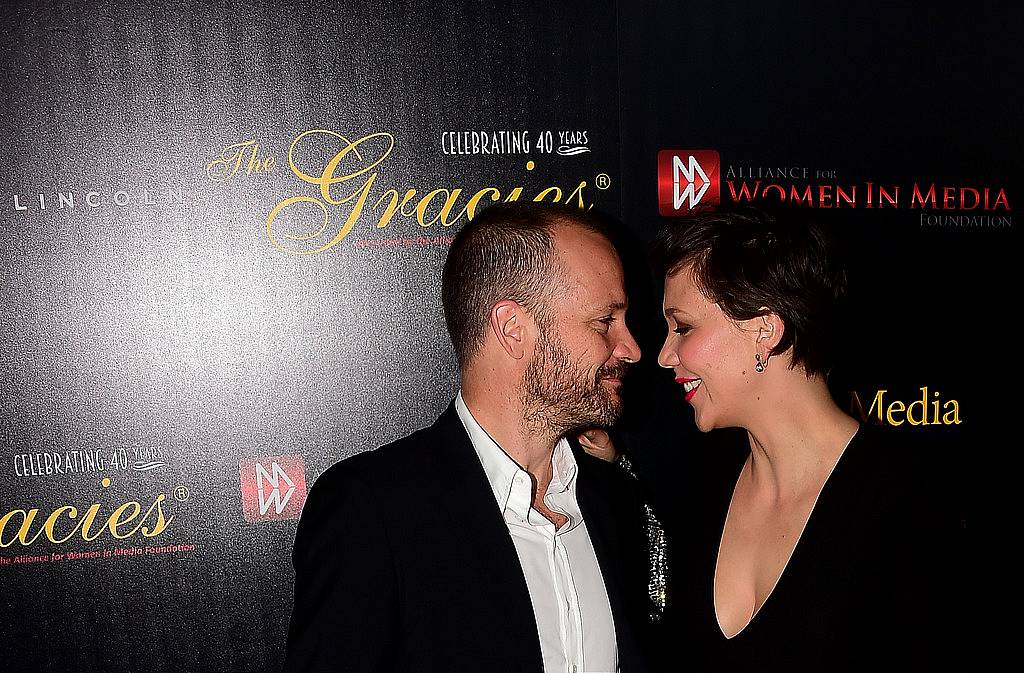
[
  {"x": 746, "y": 261},
  {"x": 505, "y": 252}
]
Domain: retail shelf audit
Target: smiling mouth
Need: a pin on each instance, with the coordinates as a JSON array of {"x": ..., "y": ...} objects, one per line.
[{"x": 690, "y": 387}]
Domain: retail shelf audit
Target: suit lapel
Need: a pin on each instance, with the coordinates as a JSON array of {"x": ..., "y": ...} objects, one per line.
[
  {"x": 469, "y": 494},
  {"x": 600, "y": 520}
]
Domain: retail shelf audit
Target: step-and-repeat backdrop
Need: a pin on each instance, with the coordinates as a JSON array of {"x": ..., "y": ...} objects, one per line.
[{"x": 223, "y": 229}]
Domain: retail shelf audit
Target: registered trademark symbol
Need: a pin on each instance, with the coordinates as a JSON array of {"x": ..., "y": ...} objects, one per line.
[
  {"x": 603, "y": 181},
  {"x": 181, "y": 494}
]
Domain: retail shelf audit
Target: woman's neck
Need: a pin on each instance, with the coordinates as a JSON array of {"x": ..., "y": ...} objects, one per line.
[{"x": 796, "y": 441}]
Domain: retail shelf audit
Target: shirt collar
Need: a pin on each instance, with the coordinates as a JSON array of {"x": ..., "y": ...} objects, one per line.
[
  {"x": 510, "y": 483},
  {"x": 563, "y": 472},
  {"x": 502, "y": 472}
]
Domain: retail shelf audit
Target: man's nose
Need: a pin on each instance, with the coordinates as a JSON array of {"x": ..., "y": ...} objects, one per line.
[{"x": 627, "y": 349}]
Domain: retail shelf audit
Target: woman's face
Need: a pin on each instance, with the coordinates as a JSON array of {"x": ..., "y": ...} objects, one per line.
[{"x": 712, "y": 355}]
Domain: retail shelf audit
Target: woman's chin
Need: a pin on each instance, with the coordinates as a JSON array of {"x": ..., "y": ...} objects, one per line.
[{"x": 703, "y": 423}]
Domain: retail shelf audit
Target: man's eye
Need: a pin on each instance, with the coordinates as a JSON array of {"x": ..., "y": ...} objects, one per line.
[
  {"x": 606, "y": 323},
  {"x": 682, "y": 329}
]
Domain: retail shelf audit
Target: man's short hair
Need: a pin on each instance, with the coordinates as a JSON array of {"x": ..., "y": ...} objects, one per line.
[{"x": 506, "y": 252}]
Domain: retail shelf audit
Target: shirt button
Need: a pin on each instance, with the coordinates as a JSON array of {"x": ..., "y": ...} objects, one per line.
[{"x": 574, "y": 668}]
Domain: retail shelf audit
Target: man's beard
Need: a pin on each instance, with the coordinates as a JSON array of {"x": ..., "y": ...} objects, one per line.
[{"x": 558, "y": 396}]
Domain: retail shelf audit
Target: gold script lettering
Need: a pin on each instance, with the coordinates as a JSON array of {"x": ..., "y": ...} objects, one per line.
[
  {"x": 346, "y": 178},
  {"x": 116, "y": 523},
  {"x": 329, "y": 177}
]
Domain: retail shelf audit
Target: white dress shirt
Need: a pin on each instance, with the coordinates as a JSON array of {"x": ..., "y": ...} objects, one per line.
[{"x": 570, "y": 602}]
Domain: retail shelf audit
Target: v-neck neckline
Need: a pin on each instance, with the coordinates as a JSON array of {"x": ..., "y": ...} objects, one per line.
[{"x": 792, "y": 553}]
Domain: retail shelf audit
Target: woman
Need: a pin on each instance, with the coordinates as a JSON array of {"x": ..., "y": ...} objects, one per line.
[{"x": 821, "y": 552}]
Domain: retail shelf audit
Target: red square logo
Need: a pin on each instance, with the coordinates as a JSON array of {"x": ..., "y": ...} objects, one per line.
[
  {"x": 273, "y": 488},
  {"x": 687, "y": 180}
]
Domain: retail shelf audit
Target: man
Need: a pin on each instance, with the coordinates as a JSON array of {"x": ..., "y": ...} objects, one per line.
[{"x": 482, "y": 543}]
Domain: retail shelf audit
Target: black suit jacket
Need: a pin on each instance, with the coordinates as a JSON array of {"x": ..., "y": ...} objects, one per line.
[{"x": 403, "y": 562}]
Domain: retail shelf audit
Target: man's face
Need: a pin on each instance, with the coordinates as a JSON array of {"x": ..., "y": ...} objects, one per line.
[{"x": 583, "y": 346}]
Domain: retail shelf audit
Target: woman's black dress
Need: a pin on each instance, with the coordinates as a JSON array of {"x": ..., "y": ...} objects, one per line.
[{"x": 873, "y": 584}]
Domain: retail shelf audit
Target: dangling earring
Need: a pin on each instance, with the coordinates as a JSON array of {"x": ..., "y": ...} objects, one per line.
[{"x": 759, "y": 367}]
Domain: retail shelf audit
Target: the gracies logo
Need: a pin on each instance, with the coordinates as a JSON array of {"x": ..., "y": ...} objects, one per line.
[
  {"x": 65, "y": 522},
  {"x": 340, "y": 179},
  {"x": 687, "y": 179},
  {"x": 273, "y": 488}
]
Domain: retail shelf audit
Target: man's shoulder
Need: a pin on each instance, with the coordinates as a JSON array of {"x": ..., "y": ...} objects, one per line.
[
  {"x": 620, "y": 494},
  {"x": 403, "y": 457}
]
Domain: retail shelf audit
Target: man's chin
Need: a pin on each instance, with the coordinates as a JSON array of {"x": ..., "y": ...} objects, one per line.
[{"x": 611, "y": 411}]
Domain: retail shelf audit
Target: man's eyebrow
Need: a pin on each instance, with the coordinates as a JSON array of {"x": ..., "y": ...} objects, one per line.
[{"x": 614, "y": 306}]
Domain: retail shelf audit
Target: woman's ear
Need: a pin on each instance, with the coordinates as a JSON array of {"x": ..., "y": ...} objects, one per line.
[{"x": 769, "y": 331}]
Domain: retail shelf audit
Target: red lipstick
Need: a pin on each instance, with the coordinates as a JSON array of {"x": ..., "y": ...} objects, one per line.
[{"x": 693, "y": 391}]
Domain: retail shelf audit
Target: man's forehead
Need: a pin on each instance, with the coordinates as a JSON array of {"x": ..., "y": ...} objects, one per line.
[
  {"x": 595, "y": 288},
  {"x": 584, "y": 253},
  {"x": 589, "y": 268},
  {"x": 570, "y": 235},
  {"x": 589, "y": 302}
]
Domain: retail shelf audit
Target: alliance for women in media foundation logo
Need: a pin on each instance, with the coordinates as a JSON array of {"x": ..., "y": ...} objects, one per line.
[
  {"x": 273, "y": 487},
  {"x": 689, "y": 180}
]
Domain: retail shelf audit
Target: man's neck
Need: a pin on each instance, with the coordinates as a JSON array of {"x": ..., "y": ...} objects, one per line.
[
  {"x": 502, "y": 417},
  {"x": 503, "y": 420}
]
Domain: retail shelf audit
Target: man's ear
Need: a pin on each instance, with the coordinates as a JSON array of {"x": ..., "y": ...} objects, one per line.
[{"x": 509, "y": 324}]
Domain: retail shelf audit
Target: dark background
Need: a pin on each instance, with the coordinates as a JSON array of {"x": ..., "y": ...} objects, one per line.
[
  {"x": 887, "y": 92},
  {"x": 890, "y": 93}
]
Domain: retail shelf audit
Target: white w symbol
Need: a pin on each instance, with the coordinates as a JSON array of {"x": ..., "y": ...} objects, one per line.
[
  {"x": 274, "y": 479},
  {"x": 687, "y": 195}
]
